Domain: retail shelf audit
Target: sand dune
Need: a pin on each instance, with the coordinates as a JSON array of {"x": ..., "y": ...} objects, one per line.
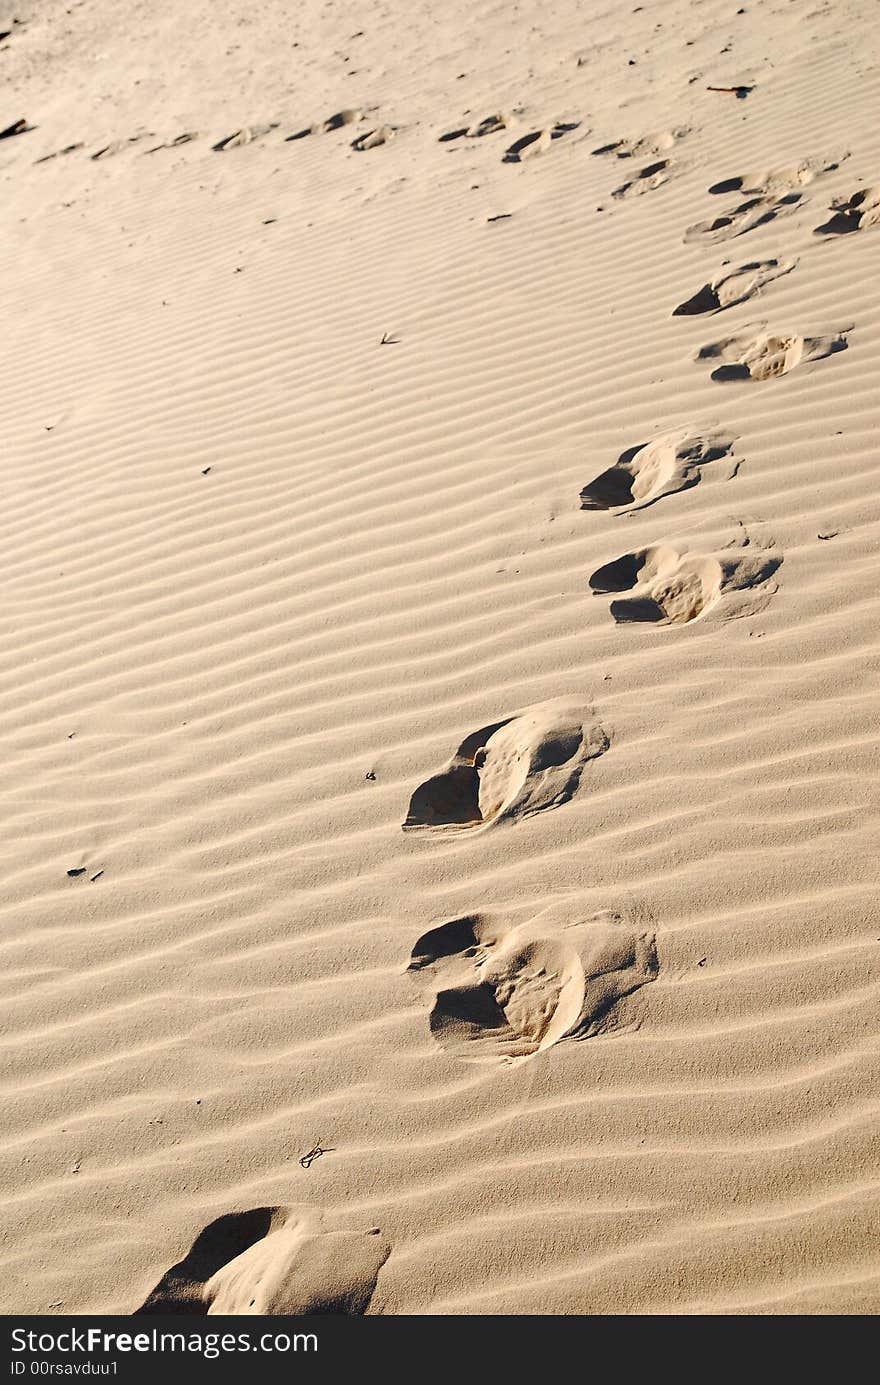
[{"x": 364, "y": 470}]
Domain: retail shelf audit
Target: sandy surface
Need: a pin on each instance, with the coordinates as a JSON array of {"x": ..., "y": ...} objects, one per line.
[{"x": 578, "y": 590}]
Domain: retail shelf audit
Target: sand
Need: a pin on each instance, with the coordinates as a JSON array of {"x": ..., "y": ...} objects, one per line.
[{"x": 439, "y": 657}]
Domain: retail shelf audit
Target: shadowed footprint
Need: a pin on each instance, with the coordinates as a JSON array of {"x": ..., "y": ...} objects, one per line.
[
  {"x": 734, "y": 287},
  {"x": 774, "y": 180},
  {"x": 645, "y": 146},
  {"x": 672, "y": 587},
  {"x": 854, "y": 213},
  {"x": 272, "y": 1260},
  {"x": 489, "y": 125},
  {"x": 246, "y": 135},
  {"x": 758, "y": 355},
  {"x": 756, "y": 211},
  {"x": 653, "y": 175},
  {"x": 509, "y": 770},
  {"x": 373, "y": 138},
  {"x": 645, "y": 473},
  {"x": 528, "y": 146},
  {"x": 333, "y": 122},
  {"x": 505, "y": 991}
]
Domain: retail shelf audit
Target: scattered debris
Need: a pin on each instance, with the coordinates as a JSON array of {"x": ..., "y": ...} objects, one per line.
[
  {"x": 832, "y": 534},
  {"x": 702, "y": 962},
  {"x": 502, "y": 216},
  {"x": 77, "y": 870},
  {"x": 370, "y": 775},
  {"x": 388, "y": 340},
  {"x": 97, "y": 876},
  {"x": 75, "y": 1166}
]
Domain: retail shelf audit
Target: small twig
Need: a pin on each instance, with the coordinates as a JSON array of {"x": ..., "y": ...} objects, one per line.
[
  {"x": 308, "y": 1159},
  {"x": 739, "y": 92},
  {"x": 387, "y": 340}
]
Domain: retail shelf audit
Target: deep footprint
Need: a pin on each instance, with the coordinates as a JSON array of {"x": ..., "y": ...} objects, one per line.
[
  {"x": 530, "y": 145},
  {"x": 854, "y": 213},
  {"x": 509, "y": 770},
  {"x": 653, "y": 175},
  {"x": 272, "y": 1260},
  {"x": 759, "y": 355},
  {"x": 671, "y": 587},
  {"x": 489, "y": 125},
  {"x": 747, "y": 216},
  {"x": 736, "y": 286},
  {"x": 505, "y": 991},
  {"x": 645, "y": 473}
]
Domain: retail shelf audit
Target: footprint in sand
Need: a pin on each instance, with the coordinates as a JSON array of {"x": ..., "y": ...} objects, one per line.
[
  {"x": 745, "y": 217},
  {"x": 373, "y": 138},
  {"x": 650, "y": 470},
  {"x": 510, "y": 770},
  {"x": 765, "y": 181},
  {"x": 489, "y": 125},
  {"x": 736, "y": 286},
  {"x": 672, "y": 586},
  {"x": 534, "y": 143},
  {"x": 115, "y": 147},
  {"x": 246, "y": 135},
  {"x": 854, "y": 213},
  {"x": 333, "y": 122},
  {"x": 272, "y": 1260},
  {"x": 505, "y": 990},
  {"x": 175, "y": 143},
  {"x": 755, "y": 354},
  {"x": 653, "y": 175},
  {"x": 59, "y": 153},
  {"x": 645, "y": 145}
]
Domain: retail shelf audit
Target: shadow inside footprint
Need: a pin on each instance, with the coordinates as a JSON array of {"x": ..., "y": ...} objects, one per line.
[
  {"x": 855, "y": 213},
  {"x": 645, "y": 473},
  {"x": 271, "y": 1260},
  {"x": 510, "y": 992},
  {"x": 620, "y": 575},
  {"x": 509, "y": 770}
]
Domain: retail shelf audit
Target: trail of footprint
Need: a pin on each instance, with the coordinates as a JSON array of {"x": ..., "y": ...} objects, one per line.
[
  {"x": 58, "y": 153},
  {"x": 116, "y": 146},
  {"x": 505, "y": 991},
  {"x": 489, "y": 125},
  {"x": 175, "y": 143},
  {"x": 534, "y": 143},
  {"x": 650, "y": 470},
  {"x": 333, "y": 122},
  {"x": 854, "y": 213},
  {"x": 736, "y": 286},
  {"x": 758, "y": 355},
  {"x": 653, "y": 175},
  {"x": 272, "y": 1260},
  {"x": 510, "y": 770},
  {"x": 673, "y": 587}
]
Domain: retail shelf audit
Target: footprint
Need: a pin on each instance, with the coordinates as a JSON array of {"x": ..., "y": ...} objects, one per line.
[
  {"x": 653, "y": 175},
  {"x": 115, "y": 147},
  {"x": 516, "y": 767},
  {"x": 246, "y": 135},
  {"x": 854, "y": 213},
  {"x": 734, "y": 287},
  {"x": 756, "y": 211},
  {"x": 373, "y": 138},
  {"x": 58, "y": 153},
  {"x": 272, "y": 1260},
  {"x": 527, "y": 146},
  {"x": 489, "y": 125},
  {"x": 333, "y": 122},
  {"x": 764, "y": 181},
  {"x": 509, "y": 991},
  {"x": 175, "y": 143},
  {"x": 674, "y": 587},
  {"x": 642, "y": 474},
  {"x": 645, "y": 146},
  {"x": 758, "y": 355}
]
